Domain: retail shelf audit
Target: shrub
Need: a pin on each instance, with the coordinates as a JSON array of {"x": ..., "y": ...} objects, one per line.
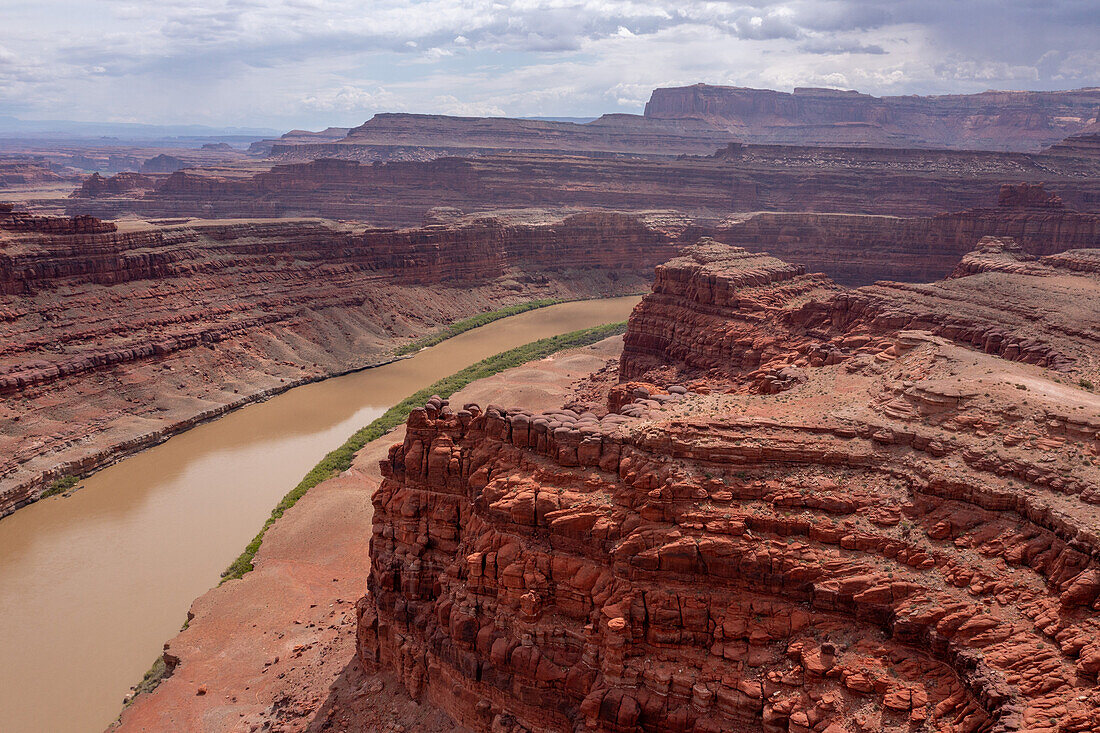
[{"x": 60, "y": 486}]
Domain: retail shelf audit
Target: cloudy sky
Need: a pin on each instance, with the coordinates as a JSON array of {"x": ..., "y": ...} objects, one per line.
[{"x": 313, "y": 63}]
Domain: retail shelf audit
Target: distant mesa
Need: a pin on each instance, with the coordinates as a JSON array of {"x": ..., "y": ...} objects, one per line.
[
  {"x": 700, "y": 119},
  {"x": 97, "y": 186},
  {"x": 993, "y": 120}
]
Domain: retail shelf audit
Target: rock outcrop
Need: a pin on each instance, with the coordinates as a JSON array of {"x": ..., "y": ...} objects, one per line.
[
  {"x": 22, "y": 172},
  {"x": 130, "y": 334},
  {"x": 164, "y": 163},
  {"x": 994, "y": 120},
  {"x": 808, "y": 509},
  {"x": 21, "y": 222},
  {"x": 97, "y": 186}
]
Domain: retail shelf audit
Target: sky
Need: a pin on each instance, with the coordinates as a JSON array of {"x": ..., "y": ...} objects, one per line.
[{"x": 314, "y": 63}]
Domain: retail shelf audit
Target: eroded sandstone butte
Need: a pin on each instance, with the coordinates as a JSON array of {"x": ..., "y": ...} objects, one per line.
[
  {"x": 804, "y": 508},
  {"x": 113, "y": 337}
]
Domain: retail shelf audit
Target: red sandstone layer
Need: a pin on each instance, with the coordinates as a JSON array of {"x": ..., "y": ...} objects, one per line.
[{"x": 840, "y": 523}]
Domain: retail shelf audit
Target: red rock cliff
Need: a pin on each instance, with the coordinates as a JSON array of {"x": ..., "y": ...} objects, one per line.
[{"x": 903, "y": 538}]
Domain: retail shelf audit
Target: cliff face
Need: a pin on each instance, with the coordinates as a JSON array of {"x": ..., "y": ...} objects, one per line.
[
  {"x": 131, "y": 335},
  {"x": 902, "y": 538},
  {"x": 96, "y": 186},
  {"x": 710, "y": 311},
  {"x": 1020, "y": 121}
]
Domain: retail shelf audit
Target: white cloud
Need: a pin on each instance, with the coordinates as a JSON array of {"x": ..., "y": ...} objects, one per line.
[{"x": 451, "y": 105}]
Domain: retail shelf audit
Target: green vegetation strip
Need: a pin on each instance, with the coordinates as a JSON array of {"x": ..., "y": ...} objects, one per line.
[
  {"x": 473, "y": 322},
  {"x": 340, "y": 459},
  {"x": 60, "y": 486}
]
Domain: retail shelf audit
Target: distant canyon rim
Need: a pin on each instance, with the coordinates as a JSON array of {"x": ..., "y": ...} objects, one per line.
[{"x": 843, "y": 476}]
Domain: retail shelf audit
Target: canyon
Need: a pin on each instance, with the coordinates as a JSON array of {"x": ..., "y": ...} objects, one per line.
[
  {"x": 801, "y": 507},
  {"x": 111, "y": 313},
  {"x": 839, "y": 475},
  {"x": 116, "y": 336}
]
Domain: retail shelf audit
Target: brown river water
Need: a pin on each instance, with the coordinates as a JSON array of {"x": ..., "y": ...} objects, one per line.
[{"x": 92, "y": 585}]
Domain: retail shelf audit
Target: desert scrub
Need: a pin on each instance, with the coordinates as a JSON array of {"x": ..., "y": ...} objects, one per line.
[
  {"x": 150, "y": 681},
  {"x": 340, "y": 459},
  {"x": 60, "y": 486},
  {"x": 468, "y": 324}
]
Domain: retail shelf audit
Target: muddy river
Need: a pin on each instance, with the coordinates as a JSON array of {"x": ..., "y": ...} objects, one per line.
[{"x": 92, "y": 585}]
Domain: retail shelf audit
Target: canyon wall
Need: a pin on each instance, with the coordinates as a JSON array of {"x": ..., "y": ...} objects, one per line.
[
  {"x": 994, "y": 120},
  {"x": 808, "y": 517},
  {"x": 739, "y": 179},
  {"x": 113, "y": 338},
  {"x": 852, "y": 248},
  {"x": 859, "y": 249}
]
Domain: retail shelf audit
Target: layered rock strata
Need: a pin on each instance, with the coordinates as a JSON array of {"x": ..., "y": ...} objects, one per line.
[
  {"x": 757, "y": 309},
  {"x": 114, "y": 339},
  {"x": 14, "y": 222},
  {"x": 1087, "y": 144},
  {"x": 807, "y": 517},
  {"x": 756, "y": 178}
]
